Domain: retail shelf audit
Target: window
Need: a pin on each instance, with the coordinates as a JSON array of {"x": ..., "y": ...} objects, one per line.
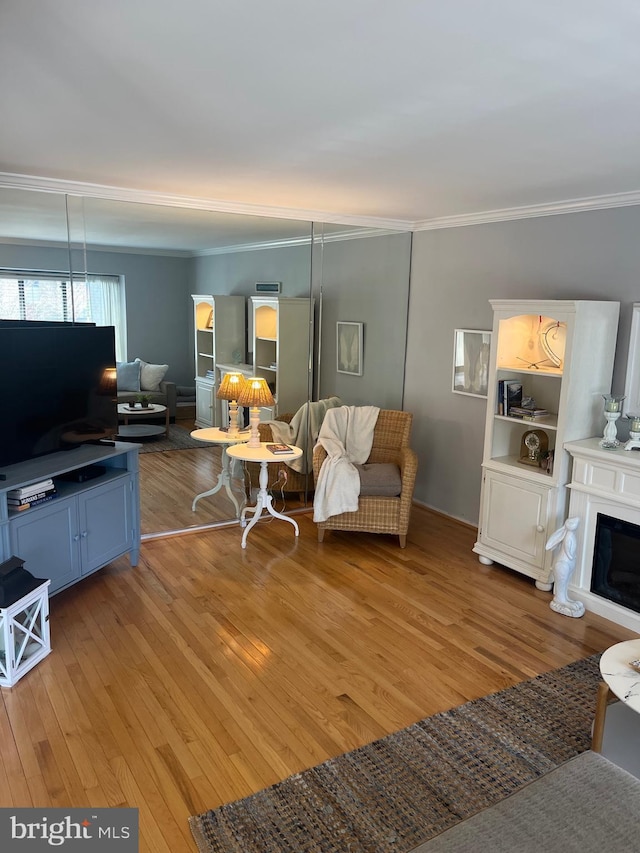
[{"x": 45, "y": 296}]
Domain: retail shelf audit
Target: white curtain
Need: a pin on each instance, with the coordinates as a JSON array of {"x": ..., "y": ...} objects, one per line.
[{"x": 107, "y": 308}]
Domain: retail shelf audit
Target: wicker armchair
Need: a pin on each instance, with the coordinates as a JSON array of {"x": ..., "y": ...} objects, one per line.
[
  {"x": 377, "y": 514},
  {"x": 295, "y": 482}
]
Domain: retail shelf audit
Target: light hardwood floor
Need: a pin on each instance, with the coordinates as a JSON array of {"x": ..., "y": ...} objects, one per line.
[
  {"x": 209, "y": 672},
  {"x": 183, "y": 474}
]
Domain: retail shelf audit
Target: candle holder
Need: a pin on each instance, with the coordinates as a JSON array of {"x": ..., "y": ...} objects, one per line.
[
  {"x": 612, "y": 412},
  {"x": 634, "y": 433}
]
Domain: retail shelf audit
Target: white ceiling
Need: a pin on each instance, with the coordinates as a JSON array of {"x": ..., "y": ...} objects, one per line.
[{"x": 403, "y": 112}]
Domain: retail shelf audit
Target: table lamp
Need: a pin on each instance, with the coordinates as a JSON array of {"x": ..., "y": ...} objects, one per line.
[
  {"x": 231, "y": 385},
  {"x": 255, "y": 393}
]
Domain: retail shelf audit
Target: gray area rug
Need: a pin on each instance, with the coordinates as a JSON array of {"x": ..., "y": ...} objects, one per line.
[
  {"x": 179, "y": 439},
  {"x": 397, "y": 792},
  {"x": 585, "y": 804}
]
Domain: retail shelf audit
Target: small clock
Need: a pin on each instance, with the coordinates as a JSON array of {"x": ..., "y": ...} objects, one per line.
[{"x": 533, "y": 447}]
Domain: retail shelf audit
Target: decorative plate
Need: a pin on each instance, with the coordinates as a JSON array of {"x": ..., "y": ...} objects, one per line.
[{"x": 553, "y": 338}]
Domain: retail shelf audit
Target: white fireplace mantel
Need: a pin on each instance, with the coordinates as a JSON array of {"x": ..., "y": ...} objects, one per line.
[{"x": 608, "y": 482}]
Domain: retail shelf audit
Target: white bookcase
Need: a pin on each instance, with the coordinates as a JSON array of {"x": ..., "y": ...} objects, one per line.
[
  {"x": 219, "y": 336},
  {"x": 281, "y": 346},
  {"x": 561, "y": 352}
]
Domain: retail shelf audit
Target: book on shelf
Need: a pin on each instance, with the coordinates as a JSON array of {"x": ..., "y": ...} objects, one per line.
[
  {"x": 513, "y": 396},
  {"x": 279, "y": 448},
  {"x": 36, "y": 496},
  {"x": 42, "y": 486},
  {"x": 19, "y": 508}
]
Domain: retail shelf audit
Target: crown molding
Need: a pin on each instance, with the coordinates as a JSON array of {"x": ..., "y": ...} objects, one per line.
[
  {"x": 306, "y": 240},
  {"x": 577, "y": 205},
  {"x": 9, "y": 180}
]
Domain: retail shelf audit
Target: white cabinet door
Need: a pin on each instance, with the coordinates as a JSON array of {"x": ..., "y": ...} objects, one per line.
[
  {"x": 514, "y": 520},
  {"x": 205, "y": 404}
]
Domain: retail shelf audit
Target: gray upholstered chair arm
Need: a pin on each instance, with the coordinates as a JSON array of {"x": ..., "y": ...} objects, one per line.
[{"x": 169, "y": 388}]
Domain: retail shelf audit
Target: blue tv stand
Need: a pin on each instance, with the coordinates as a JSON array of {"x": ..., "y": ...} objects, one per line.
[{"x": 86, "y": 526}]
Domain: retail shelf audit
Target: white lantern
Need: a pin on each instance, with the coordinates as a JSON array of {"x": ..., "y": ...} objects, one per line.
[{"x": 24, "y": 634}]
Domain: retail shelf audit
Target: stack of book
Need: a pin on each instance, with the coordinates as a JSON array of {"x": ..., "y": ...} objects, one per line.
[
  {"x": 30, "y": 496},
  {"x": 527, "y": 414}
]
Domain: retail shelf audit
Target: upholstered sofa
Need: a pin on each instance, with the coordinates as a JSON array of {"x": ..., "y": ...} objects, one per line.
[{"x": 139, "y": 377}]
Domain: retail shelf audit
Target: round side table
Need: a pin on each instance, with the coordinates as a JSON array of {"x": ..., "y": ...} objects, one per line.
[
  {"x": 264, "y": 502},
  {"x": 141, "y": 429},
  {"x": 620, "y": 679},
  {"x": 213, "y": 435}
]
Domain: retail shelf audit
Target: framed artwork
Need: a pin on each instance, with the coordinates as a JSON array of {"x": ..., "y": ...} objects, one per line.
[
  {"x": 210, "y": 320},
  {"x": 349, "y": 347},
  {"x": 632, "y": 382},
  {"x": 471, "y": 349}
]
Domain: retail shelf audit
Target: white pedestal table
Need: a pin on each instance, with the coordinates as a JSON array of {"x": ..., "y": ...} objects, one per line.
[
  {"x": 213, "y": 435},
  {"x": 264, "y": 501}
]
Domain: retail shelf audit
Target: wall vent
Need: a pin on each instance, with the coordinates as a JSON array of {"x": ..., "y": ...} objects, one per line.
[{"x": 268, "y": 286}]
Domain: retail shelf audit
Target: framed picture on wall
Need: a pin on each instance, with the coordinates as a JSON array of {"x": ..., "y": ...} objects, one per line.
[
  {"x": 471, "y": 362},
  {"x": 349, "y": 347}
]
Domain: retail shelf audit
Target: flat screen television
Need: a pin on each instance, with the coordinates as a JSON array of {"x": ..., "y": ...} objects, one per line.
[{"x": 57, "y": 387}]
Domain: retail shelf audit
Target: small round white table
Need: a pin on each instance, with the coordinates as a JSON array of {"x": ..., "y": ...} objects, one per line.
[
  {"x": 618, "y": 678},
  {"x": 141, "y": 429},
  {"x": 264, "y": 501},
  {"x": 213, "y": 435}
]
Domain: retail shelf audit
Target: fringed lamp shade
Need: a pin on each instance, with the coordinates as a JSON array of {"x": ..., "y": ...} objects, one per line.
[
  {"x": 230, "y": 387},
  {"x": 255, "y": 393}
]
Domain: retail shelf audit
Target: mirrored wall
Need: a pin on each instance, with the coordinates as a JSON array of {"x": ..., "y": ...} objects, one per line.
[{"x": 354, "y": 282}]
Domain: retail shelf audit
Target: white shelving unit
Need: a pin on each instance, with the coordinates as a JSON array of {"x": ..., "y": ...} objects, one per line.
[
  {"x": 281, "y": 347},
  {"x": 562, "y": 353},
  {"x": 219, "y": 336}
]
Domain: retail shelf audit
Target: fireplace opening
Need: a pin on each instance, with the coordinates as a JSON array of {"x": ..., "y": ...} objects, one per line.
[{"x": 616, "y": 561}]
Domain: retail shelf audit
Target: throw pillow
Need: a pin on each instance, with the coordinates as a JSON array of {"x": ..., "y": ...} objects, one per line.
[
  {"x": 128, "y": 375},
  {"x": 151, "y": 375}
]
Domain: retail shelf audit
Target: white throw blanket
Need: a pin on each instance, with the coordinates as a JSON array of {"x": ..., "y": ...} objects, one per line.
[
  {"x": 347, "y": 435},
  {"x": 303, "y": 431}
]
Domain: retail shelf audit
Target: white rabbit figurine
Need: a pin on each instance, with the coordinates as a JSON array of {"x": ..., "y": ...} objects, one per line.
[{"x": 563, "y": 568}]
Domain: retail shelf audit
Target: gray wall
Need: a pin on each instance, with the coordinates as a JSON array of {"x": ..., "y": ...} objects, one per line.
[
  {"x": 237, "y": 272},
  {"x": 591, "y": 255},
  {"x": 366, "y": 280}
]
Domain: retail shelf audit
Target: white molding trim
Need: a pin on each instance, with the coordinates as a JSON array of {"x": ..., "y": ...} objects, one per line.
[
  {"x": 124, "y": 250},
  {"x": 577, "y": 205},
  {"x": 10, "y": 180},
  {"x": 53, "y": 185},
  {"x": 297, "y": 241}
]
